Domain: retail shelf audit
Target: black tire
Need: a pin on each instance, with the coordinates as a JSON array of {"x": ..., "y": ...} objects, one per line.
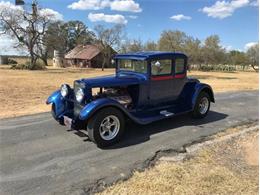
[
  {"x": 60, "y": 121},
  {"x": 94, "y": 125},
  {"x": 196, "y": 113}
]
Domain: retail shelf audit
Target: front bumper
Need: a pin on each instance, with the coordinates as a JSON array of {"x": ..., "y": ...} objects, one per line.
[
  {"x": 75, "y": 123},
  {"x": 68, "y": 108}
]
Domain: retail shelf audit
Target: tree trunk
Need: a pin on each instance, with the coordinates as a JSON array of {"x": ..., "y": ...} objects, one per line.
[
  {"x": 256, "y": 69},
  {"x": 33, "y": 61},
  {"x": 103, "y": 64},
  {"x": 45, "y": 61}
]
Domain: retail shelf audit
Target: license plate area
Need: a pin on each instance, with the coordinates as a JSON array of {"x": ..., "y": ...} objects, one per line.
[{"x": 67, "y": 121}]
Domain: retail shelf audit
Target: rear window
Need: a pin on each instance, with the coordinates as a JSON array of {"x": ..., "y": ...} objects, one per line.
[{"x": 179, "y": 65}]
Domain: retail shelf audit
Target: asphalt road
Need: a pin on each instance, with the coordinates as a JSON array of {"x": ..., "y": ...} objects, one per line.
[{"x": 40, "y": 157}]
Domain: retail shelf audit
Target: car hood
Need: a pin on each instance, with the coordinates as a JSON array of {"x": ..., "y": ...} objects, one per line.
[{"x": 120, "y": 79}]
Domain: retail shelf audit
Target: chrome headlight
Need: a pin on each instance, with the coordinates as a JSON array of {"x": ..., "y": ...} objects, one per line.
[
  {"x": 64, "y": 90},
  {"x": 79, "y": 95}
]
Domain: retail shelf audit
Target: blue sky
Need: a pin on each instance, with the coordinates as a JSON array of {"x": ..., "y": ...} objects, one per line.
[{"x": 235, "y": 21}]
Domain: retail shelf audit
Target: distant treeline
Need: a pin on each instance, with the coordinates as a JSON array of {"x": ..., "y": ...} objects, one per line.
[{"x": 42, "y": 33}]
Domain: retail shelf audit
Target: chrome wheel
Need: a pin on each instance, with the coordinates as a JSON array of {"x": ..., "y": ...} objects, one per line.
[
  {"x": 109, "y": 127},
  {"x": 203, "y": 105}
]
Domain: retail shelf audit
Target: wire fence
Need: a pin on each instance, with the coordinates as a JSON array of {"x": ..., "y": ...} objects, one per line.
[{"x": 220, "y": 67}]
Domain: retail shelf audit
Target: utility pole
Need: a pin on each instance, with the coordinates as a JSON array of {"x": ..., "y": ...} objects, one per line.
[
  {"x": 19, "y": 2},
  {"x": 32, "y": 29},
  {"x": 34, "y": 5}
]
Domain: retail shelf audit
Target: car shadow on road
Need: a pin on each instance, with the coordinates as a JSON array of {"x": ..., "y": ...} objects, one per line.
[{"x": 136, "y": 134}]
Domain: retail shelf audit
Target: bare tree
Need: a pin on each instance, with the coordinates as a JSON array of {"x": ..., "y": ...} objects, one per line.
[
  {"x": 253, "y": 57},
  {"x": 27, "y": 27},
  {"x": 133, "y": 45},
  {"x": 150, "y": 46},
  {"x": 108, "y": 39}
]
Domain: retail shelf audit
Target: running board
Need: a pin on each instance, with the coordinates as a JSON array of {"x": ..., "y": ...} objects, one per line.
[{"x": 166, "y": 113}]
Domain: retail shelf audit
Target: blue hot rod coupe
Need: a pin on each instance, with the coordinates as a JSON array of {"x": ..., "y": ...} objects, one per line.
[{"x": 147, "y": 87}]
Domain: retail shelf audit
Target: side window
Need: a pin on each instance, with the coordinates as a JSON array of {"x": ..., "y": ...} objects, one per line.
[
  {"x": 161, "y": 67},
  {"x": 179, "y": 65}
]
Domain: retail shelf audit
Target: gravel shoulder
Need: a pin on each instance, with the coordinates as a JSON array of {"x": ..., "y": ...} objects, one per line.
[{"x": 224, "y": 166}]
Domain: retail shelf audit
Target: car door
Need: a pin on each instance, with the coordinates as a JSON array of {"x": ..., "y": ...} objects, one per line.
[
  {"x": 161, "y": 81},
  {"x": 180, "y": 77}
]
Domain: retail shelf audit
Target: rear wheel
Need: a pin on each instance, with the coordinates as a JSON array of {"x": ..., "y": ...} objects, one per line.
[
  {"x": 202, "y": 105},
  {"x": 106, "y": 127}
]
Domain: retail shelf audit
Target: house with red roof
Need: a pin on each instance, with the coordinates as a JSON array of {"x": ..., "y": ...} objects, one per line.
[{"x": 86, "y": 56}]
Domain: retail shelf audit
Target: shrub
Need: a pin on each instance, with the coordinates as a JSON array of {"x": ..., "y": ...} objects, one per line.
[
  {"x": 11, "y": 61},
  {"x": 28, "y": 66}
]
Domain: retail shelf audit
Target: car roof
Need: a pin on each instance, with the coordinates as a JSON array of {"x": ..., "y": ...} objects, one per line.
[{"x": 149, "y": 55}]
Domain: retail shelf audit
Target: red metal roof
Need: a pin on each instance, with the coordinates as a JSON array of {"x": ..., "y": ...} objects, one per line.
[{"x": 84, "y": 52}]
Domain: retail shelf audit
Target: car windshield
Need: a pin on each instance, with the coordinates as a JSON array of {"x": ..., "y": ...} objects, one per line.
[{"x": 139, "y": 66}]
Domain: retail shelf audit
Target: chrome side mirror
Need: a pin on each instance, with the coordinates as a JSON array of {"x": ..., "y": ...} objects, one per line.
[{"x": 113, "y": 61}]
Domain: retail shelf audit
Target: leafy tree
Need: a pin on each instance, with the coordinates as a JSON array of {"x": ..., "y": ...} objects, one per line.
[
  {"x": 212, "y": 51},
  {"x": 65, "y": 36},
  {"x": 77, "y": 33},
  {"x": 108, "y": 39},
  {"x": 193, "y": 48},
  {"x": 237, "y": 58},
  {"x": 172, "y": 40}
]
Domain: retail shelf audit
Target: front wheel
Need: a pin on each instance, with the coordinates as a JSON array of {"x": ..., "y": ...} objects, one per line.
[
  {"x": 106, "y": 127},
  {"x": 202, "y": 106}
]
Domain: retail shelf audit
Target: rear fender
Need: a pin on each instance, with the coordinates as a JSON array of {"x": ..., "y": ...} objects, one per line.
[
  {"x": 199, "y": 87},
  {"x": 59, "y": 102}
]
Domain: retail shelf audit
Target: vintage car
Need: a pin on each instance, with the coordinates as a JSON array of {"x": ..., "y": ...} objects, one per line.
[{"x": 147, "y": 87}]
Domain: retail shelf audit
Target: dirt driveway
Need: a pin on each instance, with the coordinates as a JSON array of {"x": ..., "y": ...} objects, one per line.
[{"x": 25, "y": 92}]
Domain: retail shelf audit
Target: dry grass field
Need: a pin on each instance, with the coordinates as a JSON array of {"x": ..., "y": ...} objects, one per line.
[
  {"x": 212, "y": 170},
  {"x": 24, "y": 92}
]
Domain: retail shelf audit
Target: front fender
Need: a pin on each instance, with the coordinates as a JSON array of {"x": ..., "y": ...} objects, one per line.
[
  {"x": 59, "y": 102},
  {"x": 96, "y": 105},
  {"x": 199, "y": 87},
  {"x": 54, "y": 97}
]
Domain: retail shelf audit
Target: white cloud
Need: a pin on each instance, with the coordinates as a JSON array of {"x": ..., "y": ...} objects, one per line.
[
  {"x": 117, "y": 5},
  {"x": 52, "y": 14},
  {"x": 125, "y": 5},
  {"x": 89, "y": 4},
  {"x": 133, "y": 17},
  {"x": 9, "y": 5},
  {"x": 98, "y": 17},
  {"x": 227, "y": 47},
  {"x": 250, "y": 44},
  {"x": 223, "y": 9},
  {"x": 6, "y": 7},
  {"x": 180, "y": 17}
]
